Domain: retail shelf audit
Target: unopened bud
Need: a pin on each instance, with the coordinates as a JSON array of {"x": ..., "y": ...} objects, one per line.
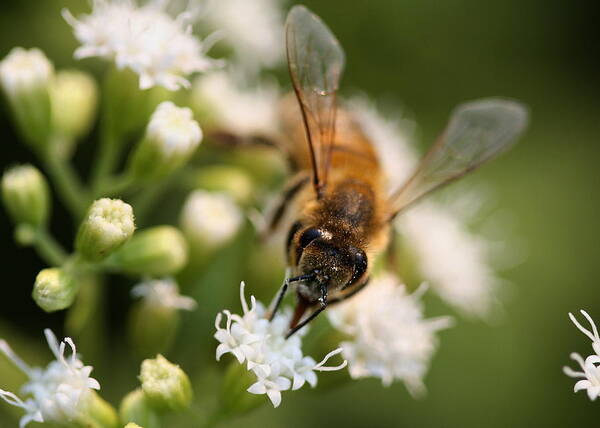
[
  {"x": 154, "y": 320},
  {"x": 54, "y": 289},
  {"x": 157, "y": 251},
  {"x": 136, "y": 409},
  {"x": 25, "y": 76},
  {"x": 210, "y": 220},
  {"x": 26, "y": 195},
  {"x": 227, "y": 179},
  {"x": 74, "y": 96},
  {"x": 165, "y": 385},
  {"x": 171, "y": 138},
  {"x": 108, "y": 224}
]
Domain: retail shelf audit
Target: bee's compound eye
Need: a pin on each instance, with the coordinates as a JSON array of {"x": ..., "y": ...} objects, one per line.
[
  {"x": 308, "y": 236},
  {"x": 360, "y": 264}
]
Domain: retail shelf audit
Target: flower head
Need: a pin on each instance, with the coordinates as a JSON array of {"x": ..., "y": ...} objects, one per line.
[
  {"x": 590, "y": 374},
  {"x": 390, "y": 338},
  {"x": 277, "y": 363},
  {"x": 108, "y": 224},
  {"x": 146, "y": 39},
  {"x": 448, "y": 255},
  {"x": 24, "y": 69},
  {"x": 56, "y": 393},
  {"x": 163, "y": 293},
  {"x": 253, "y": 29},
  {"x": 26, "y": 195},
  {"x": 165, "y": 384},
  {"x": 210, "y": 218},
  {"x": 172, "y": 136},
  {"x": 241, "y": 110}
]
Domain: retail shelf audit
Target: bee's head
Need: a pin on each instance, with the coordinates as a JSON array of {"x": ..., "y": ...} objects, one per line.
[{"x": 326, "y": 260}]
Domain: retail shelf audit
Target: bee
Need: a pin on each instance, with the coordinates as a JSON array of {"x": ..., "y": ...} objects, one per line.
[{"x": 343, "y": 212}]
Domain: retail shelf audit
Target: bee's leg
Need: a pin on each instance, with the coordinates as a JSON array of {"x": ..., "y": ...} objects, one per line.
[
  {"x": 322, "y": 305},
  {"x": 280, "y": 296},
  {"x": 288, "y": 194}
]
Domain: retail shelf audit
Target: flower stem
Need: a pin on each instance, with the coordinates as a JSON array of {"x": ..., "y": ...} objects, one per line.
[
  {"x": 68, "y": 185},
  {"x": 108, "y": 156},
  {"x": 47, "y": 247}
]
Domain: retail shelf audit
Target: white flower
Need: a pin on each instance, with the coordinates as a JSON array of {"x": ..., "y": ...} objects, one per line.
[
  {"x": 145, "y": 39},
  {"x": 254, "y": 29},
  {"x": 237, "y": 108},
  {"x": 164, "y": 293},
  {"x": 278, "y": 363},
  {"x": 56, "y": 393},
  {"x": 448, "y": 256},
  {"x": 590, "y": 375},
  {"x": 174, "y": 129},
  {"x": 593, "y": 335},
  {"x": 211, "y": 218},
  {"x": 390, "y": 338},
  {"x": 23, "y": 70}
]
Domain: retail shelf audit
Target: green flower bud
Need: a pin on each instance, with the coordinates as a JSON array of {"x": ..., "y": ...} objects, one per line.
[
  {"x": 154, "y": 320},
  {"x": 210, "y": 220},
  {"x": 108, "y": 225},
  {"x": 54, "y": 289},
  {"x": 26, "y": 195},
  {"x": 74, "y": 96},
  {"x": 157, "y": 251},
  {"x": 171, "y": 138},
  {"x": 228, "y": 179},
  {"x": 136, "y": 409},
  {"x": 165, "y": 385},
  {"x": 25, "y": 76},
  {"x": 99, "y": 413}
]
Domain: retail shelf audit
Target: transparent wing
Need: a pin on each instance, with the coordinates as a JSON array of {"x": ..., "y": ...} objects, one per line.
[
  {"x": 477, "y": 132},
  {"x": 316, "y": 61}
]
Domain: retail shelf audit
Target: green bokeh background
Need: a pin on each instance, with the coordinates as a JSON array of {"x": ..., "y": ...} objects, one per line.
[{"x": 428, "y": 56}]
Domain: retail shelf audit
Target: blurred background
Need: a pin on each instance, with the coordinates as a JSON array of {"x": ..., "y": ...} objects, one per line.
[{"x": 427, "y": 56}]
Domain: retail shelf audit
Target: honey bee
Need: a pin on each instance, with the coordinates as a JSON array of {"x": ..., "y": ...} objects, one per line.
[{"x": 344, "y": 213}]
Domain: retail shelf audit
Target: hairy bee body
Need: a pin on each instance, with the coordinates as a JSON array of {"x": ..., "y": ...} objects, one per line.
[{"x": 351, "y": 213}]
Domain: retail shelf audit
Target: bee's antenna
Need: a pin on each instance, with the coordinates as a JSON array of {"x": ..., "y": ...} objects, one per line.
[{"x": 283, "y": 290}]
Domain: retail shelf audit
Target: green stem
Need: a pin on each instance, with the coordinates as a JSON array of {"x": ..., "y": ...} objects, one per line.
[
  {"x": 47, "y": 247},
  {"x": 68, "y": 185},
  {"x": 107, "y": 157},
  {"x": 116, "y": 185}
]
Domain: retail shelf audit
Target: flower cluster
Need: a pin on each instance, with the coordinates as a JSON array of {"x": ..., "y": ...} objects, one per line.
[
  {"x": 590, "y": 374},
  {"x": 146, "y": 39},
  {"x": 57, "y": 393},
  {"x": 278, "y": 363},
  {"x": 390, "y": 339},
  {"x": 164, "y": 293},
  {"x": 447, "y": 254}
]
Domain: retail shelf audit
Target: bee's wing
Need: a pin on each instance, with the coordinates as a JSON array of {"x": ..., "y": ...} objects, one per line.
[
  {"x": 477, "y": 132},
  {"x": 316, "y": 61}
]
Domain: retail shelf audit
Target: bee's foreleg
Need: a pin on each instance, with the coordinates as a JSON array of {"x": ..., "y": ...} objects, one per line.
[{"x": 322, "y": 305}]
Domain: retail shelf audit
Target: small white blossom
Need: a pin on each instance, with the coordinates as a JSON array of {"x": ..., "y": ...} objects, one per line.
[
  {"x": 56, "y": 393},
  {"x": 23, "y": 70},
  {"x": 253, "y": 29},
  {"x": 448, "y": 255},
  {"x": 278, "y": 363},
  {"x": 211, "y": 218},
  {"x": 237, "y": 108},
  {"x": 590, "y": 375},
  {"x": 146, "y": 39},
  {"x": 164, "y": 293},
  {"x": 390, "y": 338},
  {"x": 174, "y": 129}
]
